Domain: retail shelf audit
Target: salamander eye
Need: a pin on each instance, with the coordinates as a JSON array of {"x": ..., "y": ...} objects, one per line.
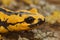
[{"x": 29, "y": 20}]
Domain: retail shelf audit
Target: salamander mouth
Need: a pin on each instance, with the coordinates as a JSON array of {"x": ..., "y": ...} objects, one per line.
[{"x": 5, "y": 24}]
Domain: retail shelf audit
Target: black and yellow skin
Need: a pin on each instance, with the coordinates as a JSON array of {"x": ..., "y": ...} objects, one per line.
[{"x": 20, "y": 20}]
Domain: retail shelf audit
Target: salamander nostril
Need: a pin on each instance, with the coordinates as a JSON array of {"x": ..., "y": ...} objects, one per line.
[{"x": 29, "y": 20}]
